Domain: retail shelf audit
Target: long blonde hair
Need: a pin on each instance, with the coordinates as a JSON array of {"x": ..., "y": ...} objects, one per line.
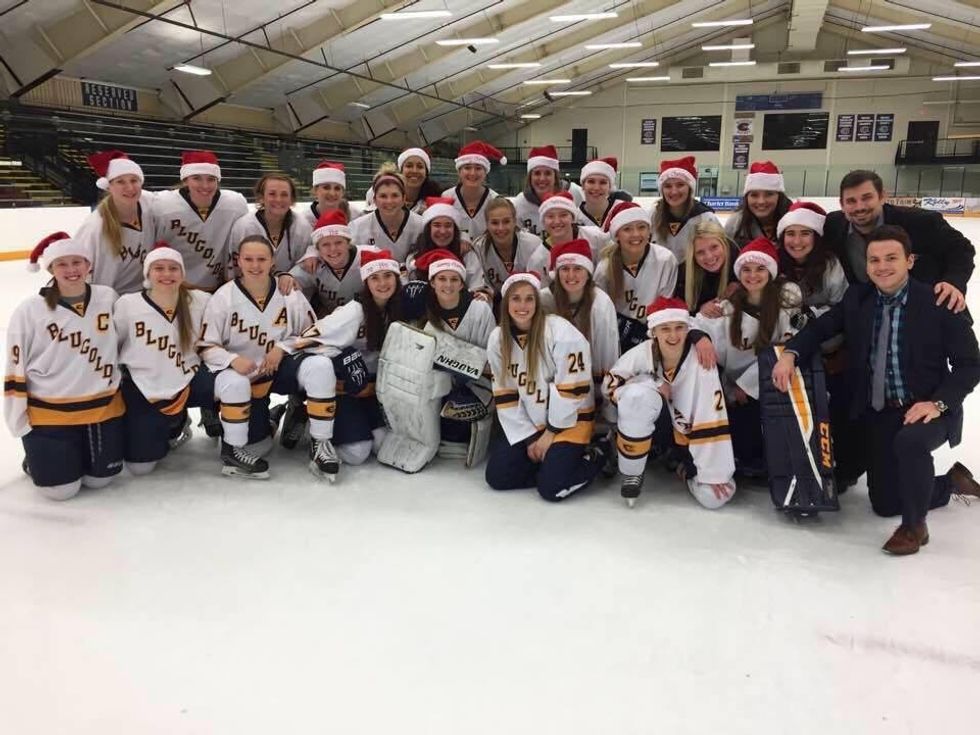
[
  {"x": 111, "y": 225},
  {"x": 535, "y": 335},
  {"x": 694, "y": 273},
  {"x": 661, "y": 215},
  {"x": 613, "y": 254}
]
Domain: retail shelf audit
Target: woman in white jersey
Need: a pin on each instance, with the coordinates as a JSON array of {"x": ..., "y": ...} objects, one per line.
[
  {"x": 471, "y": 195},
  {"x": 391, "y": 226},
  {"x": 329, "y": 191},
  {"x": 678, "y": 212}
]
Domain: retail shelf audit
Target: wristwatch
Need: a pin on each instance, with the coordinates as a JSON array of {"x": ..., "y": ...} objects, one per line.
[{"x": 940, "y": 406}]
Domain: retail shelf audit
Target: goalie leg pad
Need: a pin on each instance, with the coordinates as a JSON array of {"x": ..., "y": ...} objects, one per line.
[
  {"x": 457, "y": 356},
  {"x": 479, "y": 441}
]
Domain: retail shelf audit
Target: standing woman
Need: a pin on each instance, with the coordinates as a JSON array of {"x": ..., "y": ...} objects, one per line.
[
  {"x": 503, "y": 249},
  {"x": 61, "y": 394},
  {"x": 542, "y": 388},
  {"x": 574, "y": 297},
  {"x": 634, "y": 271},
  {"x": 440, "y": 230},
  {"x": 558, "y": 220},
  {"x": 336, "y": 276},
  {"x": 414, "y": 165},
  {"x": 275, "y": 220},
  {"x": 245, "y": 324},
  {"x": 329, "y": 193},
  {"x": 197, "y": 218},
  {"x": 760, "y": 313},
  {"x": 763, "y": 204},
  {"x": 706, "y": 277},
  {"x": 119, "y": 232},
  {"x": 598, "y": 180},
  {"x": 162, "y": 373},
  {"x": 391, "y": 226},
  {"x": 471, "y": 195},
  {"x": 542, "y": 181},
  {"x": 678, "y": 212}
]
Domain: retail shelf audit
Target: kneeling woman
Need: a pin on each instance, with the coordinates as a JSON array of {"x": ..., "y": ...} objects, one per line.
[
  {"x": 163, "y": 375},
  {"x": 542, "y": 387},
  {"x": 664, "y": 372},
  {"x": 61, "y": 393},
  {"x": 245, "y": 323}
]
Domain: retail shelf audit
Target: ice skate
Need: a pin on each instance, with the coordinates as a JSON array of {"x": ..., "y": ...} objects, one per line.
[
  {"x": 239, "y": 462},
  {"x": 211, "y": 423},
  {"x": 181, "y": 435},
  {"x": 294, "y": 423},
  {"x": 630, "y": 489},
  {"x": 324, "y": 461}
]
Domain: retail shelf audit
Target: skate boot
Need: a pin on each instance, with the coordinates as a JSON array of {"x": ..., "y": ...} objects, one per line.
[
  {"x": 239, "y": 462},
  {"x": 211, "y": 423},
  {"x": 323, "y": 459},
  {"x": 294, "y": 423},
  {"x": 608, "y": 460},
  {"x": 630, "y": 489},
  {"x": 180, "y": 434}
]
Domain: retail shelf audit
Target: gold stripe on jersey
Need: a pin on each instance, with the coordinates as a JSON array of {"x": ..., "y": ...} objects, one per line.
[
  {"x": 173, "y": 406},
  {"x": 14, "y": 387},
  {"x": 581, "y": 432},
  {"x": 77, "y": 411},
  {"x": 633, "y": 448},
  {"x": 505, "y": 398},
  {"x": 261, "y": 388},
  {"x": 321, "y": 408},
  {"x": 235, "y": 413},
  {"x": 573, "y": 390}
]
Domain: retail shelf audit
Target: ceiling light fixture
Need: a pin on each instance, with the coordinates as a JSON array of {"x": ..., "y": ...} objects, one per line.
[
  {"x": 967, "y": 63},
  {"x": 732, "y": 63},
  {"x": 360, "y": 104},
  {"x": 964, "y": 78},
  {"x": 871, "y": 67},
  {"x": 720, "y": 23},
  {"x": 582, "y": 93},
  {"x": 603, "y": 46},
  {"x": 530, "y": 116},
  {"x": 907, "y": 27},
  {"x": 471, "y": 129},
  {"x": 467, "y": 41},
  {"x": 647, "y": 79},
  {"x": 199, "y": 71},
  {"x": 573, "y": 17},
  {"x": 728, "y": 47},
  {"x": 547, "y": 81},
  {"x": 515, "y": 65},
  {"x": 635, "y": 65},
  {"x": 875, "y": 51},
  {"x": 416, "y": 15}
]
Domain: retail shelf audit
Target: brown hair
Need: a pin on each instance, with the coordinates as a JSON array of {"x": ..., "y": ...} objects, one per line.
[
  {"x": 808, "y": 274},
  {"x": 257, "y": 238},
  {"x": 774, "y": 299},
  {"x": 856, "y": 178},
  {"x": 485, "y": 241},
  {"x": 746, "y": 216},
  {"x": 557, "y": 187},
  {"x": 661, "y": 212},
  {"x": 111, "y": 226},
  {"x": 52, "y": 295},
  {"x": 432, "y": 304},
  {"x": 892, "y": 232},
  {"x": 376, "y": 320},
  {"x": 391, "y": 175},
  {"x": 581, "y": 317},
  {"x": 266, "y": 178},
  {"x": 535, "y": 335},
  {"x": 694, "y": 273}
]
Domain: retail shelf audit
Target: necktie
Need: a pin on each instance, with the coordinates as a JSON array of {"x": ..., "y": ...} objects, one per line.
[{"x": 881, "y": 357}]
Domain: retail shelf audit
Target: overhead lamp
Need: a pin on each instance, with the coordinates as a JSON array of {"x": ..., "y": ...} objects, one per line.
[
  {"x": 721, "y": 23},
  {"x": 634, "y": 65},
  {"x": 872, "y": 67},
  {"x": 530, "y": 116},
  {"x": 602, "y": 46},
  {"x": 471, "y": 129},
  {"x": 967, "y": 63},
  {"x": 198, "y": 71},
  {"x": 416, "y": 15},
  {"x": 647, "y": 79},
  {"x": 467, "y": 41},
  {"x": 732, "y": 63},
  {"x": 362, "y": 105},
  {"x": 727, "y": 47},
  {"x": 907, "y": 27},
  {"x": 964, "y": 78},
  {"x": 547, "y": 81},
  {"x": 580, "y": 93},
  {"x": 876, "y": 51},
  {"x": 573, "y": 17},
  {"x": 516, "y": 65}
]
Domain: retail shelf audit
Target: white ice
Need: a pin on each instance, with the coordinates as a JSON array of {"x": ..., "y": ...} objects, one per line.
[{"x": 191, "y": 603}]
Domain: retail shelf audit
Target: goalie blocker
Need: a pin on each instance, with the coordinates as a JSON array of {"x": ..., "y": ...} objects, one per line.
[{"x": 796, "y": 428}]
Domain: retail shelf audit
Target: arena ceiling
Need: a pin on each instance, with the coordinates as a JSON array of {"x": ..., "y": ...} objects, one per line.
[{"x": 336, "y": 68}]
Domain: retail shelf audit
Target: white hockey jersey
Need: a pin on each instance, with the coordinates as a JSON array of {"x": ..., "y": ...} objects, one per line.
[
  {"x": 697, "y": 407},
  {"x": 202, "y": 240},
  {"x": 655, "y": 275},
  {"x": 327, "y": 289},
  {"x": 604, "y": 332},
  {"x": 541, "y": 258},
  {"x": 334, "y": 333},
  {"x": 472, "y": 322},
  {"x": 235, "y": 325},
  {"x": 739, "y": 361},
  {"x": 587, "y": 219},
  {"x": 122, "y": 273},
  {"x": 61, "y": 364},
  {"x": 680, "y": 233},
  {"x": 368, "y": 230},
  {"x": 733, "y": 223},
  {"x": 149, "y": 347},
  {"x": 560, "y": 398},
  {"x": 495, "y": 269},
  {"x": 310, "y": 212},
  {"x": 472, "y": 224},
  {"x": 290, "y": 247}
]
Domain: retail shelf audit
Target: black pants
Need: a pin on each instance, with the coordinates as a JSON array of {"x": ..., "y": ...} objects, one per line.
[{"x": 901, "y": 480}]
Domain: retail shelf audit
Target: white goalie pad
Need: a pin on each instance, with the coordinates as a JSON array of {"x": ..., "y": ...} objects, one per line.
[
  {"x": 456, "y": 356},
  {"x": 411, "y": 393}
]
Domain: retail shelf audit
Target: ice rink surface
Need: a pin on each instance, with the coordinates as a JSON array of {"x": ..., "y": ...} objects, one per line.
[{"x": 387, "y": 603}]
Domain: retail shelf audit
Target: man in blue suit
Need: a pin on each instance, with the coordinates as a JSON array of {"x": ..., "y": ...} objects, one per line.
[{"x": 912, "y": 363}]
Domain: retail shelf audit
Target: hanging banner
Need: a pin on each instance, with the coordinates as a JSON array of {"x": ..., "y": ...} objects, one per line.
[
  {"x": 884, "y": 123},
  {"x": 744, "y": 127},
  {"x": 108, "y": 97},
  {"x": 648, "y": 131},
  {"x": 740, "y": 156},
  {"x": 865, "y": 128},
  {"x": 845, "y": 129}
]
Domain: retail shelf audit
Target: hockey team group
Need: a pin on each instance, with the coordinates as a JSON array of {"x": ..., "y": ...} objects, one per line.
[{"x": 561, "y": 334}]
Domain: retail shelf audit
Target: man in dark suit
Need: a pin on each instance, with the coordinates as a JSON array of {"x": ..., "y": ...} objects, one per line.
[
  {"x": 912, "y": 363},
  {"x": 943, "y": 256}
]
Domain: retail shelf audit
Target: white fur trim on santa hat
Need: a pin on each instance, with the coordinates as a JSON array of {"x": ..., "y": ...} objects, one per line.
[
  {"x": 160, "y": 253},
  {"x": 573, "y": 259},
  {"x": 119, "y": 167},
  {"x": 754, "y": 256},
  {"x": 200, "y": 169},
  {"x": 473, "y": 158},
  {"x": 516, "y": 278},
  {"x": 331, "y": 231},
  {"x": 440, "y": 210},
  {"x": 627, "y": 216},
  {"x": 598, "y": 168},
  {"x": 542, "y": 161},
  {"x": 329, "y": 175},
  {"x": 447, "y": 264},
  {"x": 557, "y": 202},
  {"x": 417, "y": 152},
  {"x": 802, "y": 216},
  {"x": 379, "y": 266},
  {"x": 60, "y": 249},
  {"x": 677, "y": 173},
  {"x": 665, "y": 316},
  {"x": 764, "y": 182}
]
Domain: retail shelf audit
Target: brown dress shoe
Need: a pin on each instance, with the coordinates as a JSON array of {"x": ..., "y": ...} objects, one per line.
[
  {"x": 961, "y": 481},
  {"x": 907, "y": 539}
]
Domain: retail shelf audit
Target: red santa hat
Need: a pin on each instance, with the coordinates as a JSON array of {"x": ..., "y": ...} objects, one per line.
[
  {"x": 684, "y": 169},
  {"x": 56, "y": 246},
  {"x": 418, "y": 153},
  {"x": 761, "y": 251},
  {"x": 377, "y": 261},
  {"x": 439, "y": 207},
  {"x": 666, "y": 309},
  {"x": 806, "y": 214},
  {"x": 521, "y": 277},
  {"x": 573, "y": 252},
  {"x": 328, "y": 172},
  {"x": 332, "y": 223},
  {"x": 545, "y": 155},
  {"x": 764, "y": 176},
  {"x": 601, "y": 167},
  {"x": 438, "y": 260},
  {"x": 203, "y": 163},
  {"x": 160, "y": 251},
  {"x": 622, "y": 214},
  {"x": 479, "y": 153},
  {"x": 560, "y": 200},
  {"x": 110, "y": 164}
]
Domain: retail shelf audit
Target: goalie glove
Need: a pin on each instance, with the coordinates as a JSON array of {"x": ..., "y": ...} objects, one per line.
[
  {"x": 463, "y": 405},
  {"x": 349, "y": 366},
  {"x": 631, "y": 332}
]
